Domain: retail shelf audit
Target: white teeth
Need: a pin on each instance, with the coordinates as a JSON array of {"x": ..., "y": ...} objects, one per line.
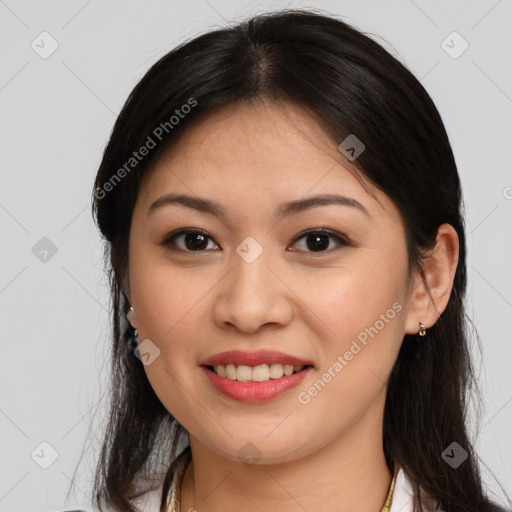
[
  {"x": 276, "y": 371},
  {"x": 260, "y": 373},
  {"x": 230, "y": 371},
  {"x": 243, "y": 373}
]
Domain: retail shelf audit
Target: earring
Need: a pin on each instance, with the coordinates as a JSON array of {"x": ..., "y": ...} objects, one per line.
[
  {"x": 134, "y": 340},
  {"x": 423, "y": 330}
]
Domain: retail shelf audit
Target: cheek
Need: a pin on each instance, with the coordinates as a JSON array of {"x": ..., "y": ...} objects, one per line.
[
  {"x": 166, "y": 300},
  {"x": 355, "y": 296},
  {"x": 168, "y": 305},
  {"x": 363, "y": 313},
  {"x": 360, "y": 306},
  {"x": 172, "y": 304}
]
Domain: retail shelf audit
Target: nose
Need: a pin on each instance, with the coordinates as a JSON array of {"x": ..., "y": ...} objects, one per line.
[{"x": 251, "y": 296}]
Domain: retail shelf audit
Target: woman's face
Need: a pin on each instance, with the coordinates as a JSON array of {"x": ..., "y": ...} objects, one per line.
[{"x": 253, "y": 281}]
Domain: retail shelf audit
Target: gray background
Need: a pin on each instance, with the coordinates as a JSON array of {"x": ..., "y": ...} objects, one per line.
[{"x": 56, "y": 115}]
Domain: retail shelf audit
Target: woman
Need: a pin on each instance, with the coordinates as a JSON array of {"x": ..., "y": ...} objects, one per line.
[{"x": 282, "y": 212}]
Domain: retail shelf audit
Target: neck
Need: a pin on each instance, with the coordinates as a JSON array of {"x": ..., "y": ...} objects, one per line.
[{"x": 348, "y": 474}]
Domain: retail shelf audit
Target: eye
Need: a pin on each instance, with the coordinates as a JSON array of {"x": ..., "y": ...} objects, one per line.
[
  {"x": 318, "y": 240},
  {"x": 193, "y": 239},
  {"x": 196, "y": 240}
]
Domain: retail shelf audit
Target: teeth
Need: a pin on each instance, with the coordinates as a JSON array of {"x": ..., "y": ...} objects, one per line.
[
  {"x": 243, "y": 373},
  {"x": 230, "y": 371},
  {"x": 288, "y": 369},
  {"x": 260, "y": 373},
  {"x": 276, "y": 371}
]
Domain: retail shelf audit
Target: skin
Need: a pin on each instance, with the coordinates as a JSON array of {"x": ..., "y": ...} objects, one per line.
[{"x": 324, "y": 455}]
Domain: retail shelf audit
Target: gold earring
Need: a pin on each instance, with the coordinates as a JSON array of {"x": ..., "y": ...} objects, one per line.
[
  {"x": 423, "y": 330},
  {"x": 130, "y": 314}
]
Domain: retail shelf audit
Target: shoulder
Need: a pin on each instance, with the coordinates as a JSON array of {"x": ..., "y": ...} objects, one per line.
[
  {"x": 78, "y": 508},
  {"x": 148, "y": 502},
  {"x": 403, "y": 494},
  {"x": 75, "y": 509}
]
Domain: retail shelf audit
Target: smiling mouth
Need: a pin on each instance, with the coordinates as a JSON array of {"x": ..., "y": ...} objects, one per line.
[{"x": 258, "y": 373}]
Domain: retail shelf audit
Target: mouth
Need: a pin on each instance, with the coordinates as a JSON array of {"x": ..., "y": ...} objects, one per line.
[
  {"x": 254, "y": 376},
  {"x": 254, "y": 384},
  {"x": 259, "y": 373}
]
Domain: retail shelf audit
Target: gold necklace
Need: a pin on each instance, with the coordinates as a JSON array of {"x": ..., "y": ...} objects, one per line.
[
  {"x": 389, "y": 498},
  {"x": 173, "y": 498}
]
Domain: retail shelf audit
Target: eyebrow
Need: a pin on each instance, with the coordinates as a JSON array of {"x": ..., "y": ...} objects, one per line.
[{"x": 284, "y": 210}]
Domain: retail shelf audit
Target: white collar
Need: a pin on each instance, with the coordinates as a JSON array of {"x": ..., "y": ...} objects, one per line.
[{"x": 403, "y": 494}]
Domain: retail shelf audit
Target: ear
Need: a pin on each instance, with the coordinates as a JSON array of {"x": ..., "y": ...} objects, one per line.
[
  {"x": 430, "y": 295},
  {"x": 131, "y": 315}
]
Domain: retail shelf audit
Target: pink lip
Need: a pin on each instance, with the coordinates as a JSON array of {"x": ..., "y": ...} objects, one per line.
[
  {"x": 254, "y": 392},
  {"x": 255, "y": 358}
]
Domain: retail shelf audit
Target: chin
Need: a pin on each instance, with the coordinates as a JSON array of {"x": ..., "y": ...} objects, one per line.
[{"x": 253, "y": 447}]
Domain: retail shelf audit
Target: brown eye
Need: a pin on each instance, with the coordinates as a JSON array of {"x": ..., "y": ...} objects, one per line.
[
  {"x": 188, "y": 240},
  {"x": 319, "y": 241},
  {"x": 196, "y": 240}
]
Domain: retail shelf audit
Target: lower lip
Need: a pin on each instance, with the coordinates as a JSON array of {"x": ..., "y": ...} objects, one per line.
[{"x": 255, "y": 392}]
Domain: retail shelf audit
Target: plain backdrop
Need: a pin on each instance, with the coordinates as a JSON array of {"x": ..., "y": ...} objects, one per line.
[{"x": 66, "y": 70}]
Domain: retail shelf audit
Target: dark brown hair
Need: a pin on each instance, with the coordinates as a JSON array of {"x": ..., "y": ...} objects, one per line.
[{"x": 354, "y": 86}]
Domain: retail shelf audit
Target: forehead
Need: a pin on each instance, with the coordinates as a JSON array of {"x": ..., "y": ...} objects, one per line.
[
  {"x": 261, "y": 152},
  {"x": 269, "y": 135}
]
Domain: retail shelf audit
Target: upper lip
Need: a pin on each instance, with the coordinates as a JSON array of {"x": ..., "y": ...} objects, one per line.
[{"x": 255, "y": 358}]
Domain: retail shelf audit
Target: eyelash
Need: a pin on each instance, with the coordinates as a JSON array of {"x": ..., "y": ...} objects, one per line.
[{"x": 168, "y": 241}]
